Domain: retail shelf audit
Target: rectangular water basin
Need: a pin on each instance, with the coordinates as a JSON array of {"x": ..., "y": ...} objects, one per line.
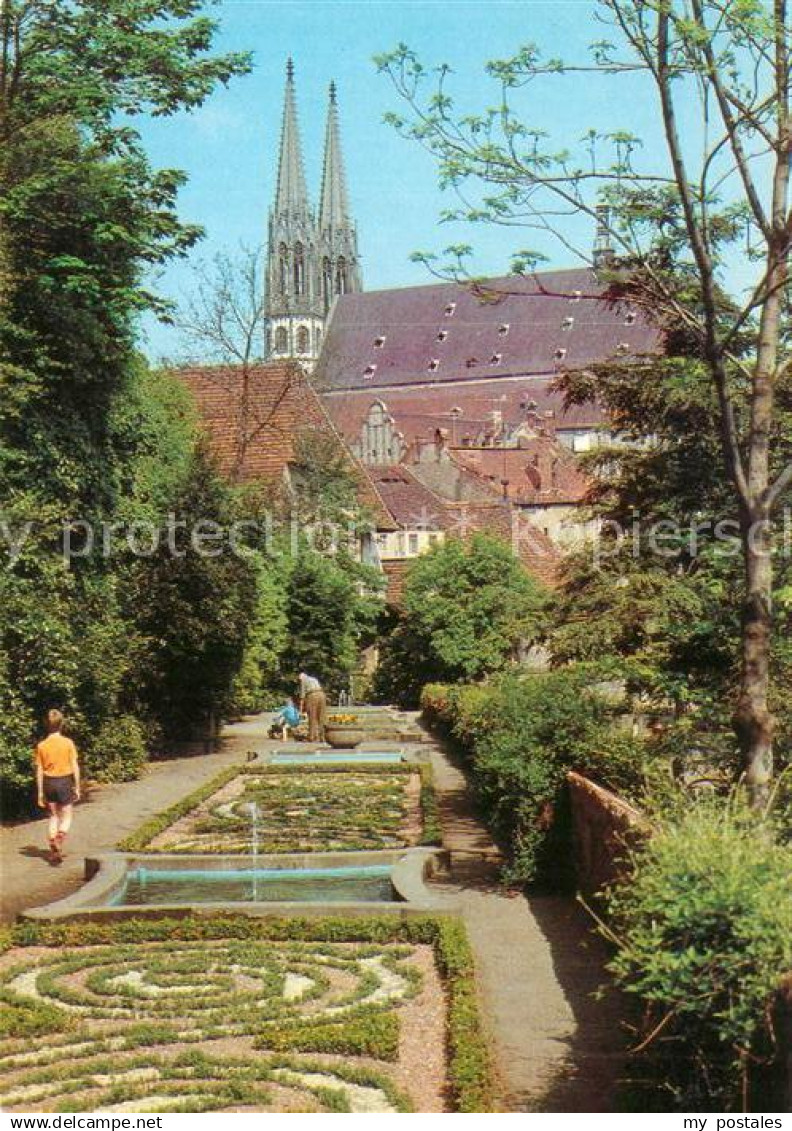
[
  {"x": 326, "y": 758},
  {"x": 148, "y": 886}
]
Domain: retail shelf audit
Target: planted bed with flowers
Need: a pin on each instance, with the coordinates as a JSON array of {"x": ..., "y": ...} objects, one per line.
[{"x": 298, "y": 809}]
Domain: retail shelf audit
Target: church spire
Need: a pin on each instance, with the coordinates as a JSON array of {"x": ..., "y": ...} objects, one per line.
[
  {"x": 334, "y": 205},
  {"x": 292, "y": 194}
]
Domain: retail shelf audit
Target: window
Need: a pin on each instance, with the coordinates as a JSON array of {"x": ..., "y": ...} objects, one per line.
[
  {"x": 369, "y": 371},
  {"x": 379, "y": 342},
  {"x": 441, "y": 337},
  {"x": 449, "y": 310},
  {"x": 341, "y": 276},
  {"x": 433, "y": 539},
  {"x": 433, "y": 365},
  {"x": 327, "y": 283},
  {"x": 413, "y": 543},
  {"x": 471, "y": 362},
  {"x": 299, "y": 269},
  {"x": 623, "y": 347},
  {"x": 568, "y": 322},
  {"x": 496, "y": 359},
  {"x": 560, "y": 354},
  {"x": 318, "y": 337},
  {"x": 630, "y": 318},
  {"x": 400, "y": 543},
  {"x": 281, "y": 340},
  {"x": 576, "y": 296},
  {"x": 503, "y": 329},
  {"x": 303, "y": 340},
  {"x": 283, "y": 258}
]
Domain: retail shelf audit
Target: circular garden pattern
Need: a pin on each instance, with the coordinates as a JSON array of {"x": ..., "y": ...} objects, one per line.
[{"x": 207, "y": 1026}]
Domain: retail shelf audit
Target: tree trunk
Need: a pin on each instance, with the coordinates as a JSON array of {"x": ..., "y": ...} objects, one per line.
[{"x": 753, "y": 721}]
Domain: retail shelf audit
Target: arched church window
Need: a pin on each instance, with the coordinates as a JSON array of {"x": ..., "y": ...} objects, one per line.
[
  {"x": 281, "y": 340},
  {"x": 327, "y": 283},
  {"x": 283, "y": 268},
  {"x": 299, "y": 269},
  {"x": 303, "y": 340},
  {"x": 341, "y": 276}
]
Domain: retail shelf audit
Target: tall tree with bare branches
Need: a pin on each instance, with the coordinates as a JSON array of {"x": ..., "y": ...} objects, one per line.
[{"x": 718, "y": 75}]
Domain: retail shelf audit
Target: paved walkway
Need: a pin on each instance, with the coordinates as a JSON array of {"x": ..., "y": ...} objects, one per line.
[
  {"x": 556, "y": 1048},
  {"x": 539, "y": 965},
  {"x": 110, "y": 813}
]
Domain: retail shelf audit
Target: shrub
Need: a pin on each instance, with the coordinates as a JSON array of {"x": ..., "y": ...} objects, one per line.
[
  {"x": 118, "y": 752},
  {"x": 521, "y": 734},
  {"x": 705, "y": 932}
]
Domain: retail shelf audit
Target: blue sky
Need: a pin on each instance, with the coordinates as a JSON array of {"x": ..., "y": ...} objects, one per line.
[{"x": 229, "y": 147}]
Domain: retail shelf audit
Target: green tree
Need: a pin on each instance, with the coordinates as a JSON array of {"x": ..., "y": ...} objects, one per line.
[
  {"x": 83, "y": 218},
  {"x": 469, "y": 608},
  {"x": 196, "y": 599},
  {"x": 677, "y": 214},
  {"x": 331, "y": 610}
]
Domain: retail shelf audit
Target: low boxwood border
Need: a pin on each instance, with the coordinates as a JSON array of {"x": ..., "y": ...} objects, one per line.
[{"x": 469, "y": 1061}]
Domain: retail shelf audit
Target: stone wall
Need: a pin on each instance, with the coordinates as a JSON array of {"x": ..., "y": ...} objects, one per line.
[{"x": 603, "y": 828}]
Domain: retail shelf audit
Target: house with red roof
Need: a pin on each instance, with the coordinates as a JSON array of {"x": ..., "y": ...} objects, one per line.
[{"x": 257, "y": 417}]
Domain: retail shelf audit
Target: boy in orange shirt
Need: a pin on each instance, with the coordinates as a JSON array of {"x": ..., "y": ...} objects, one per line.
[{"x": 57, "y": 781}]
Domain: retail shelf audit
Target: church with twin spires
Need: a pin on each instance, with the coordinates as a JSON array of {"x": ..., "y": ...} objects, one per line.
[{"x": 312, "y": 258}]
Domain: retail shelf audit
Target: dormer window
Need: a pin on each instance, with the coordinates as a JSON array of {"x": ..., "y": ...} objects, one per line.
[
  {"x": 449, "y": 310},
  {"x": 443, "y": 334},
  {"x": 576, "y": 296},
  {"x": 568, "y": 322},
  {"x": 630, "y": 318},
  {"x": 433, "y": 365},
  {"x": 369, "y": 372},
  {"x": 496, "y": 359},
  {"x": 503, "y": 329},
  {"x": 560, "y": 354},
  {"x": 623, "y": 347},
  {"x": 471, "y": 362},
  {"x": 379, "y": 342}
]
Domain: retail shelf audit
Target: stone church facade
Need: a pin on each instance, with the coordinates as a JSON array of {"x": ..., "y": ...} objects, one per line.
[{"x": 312, "y": 257}]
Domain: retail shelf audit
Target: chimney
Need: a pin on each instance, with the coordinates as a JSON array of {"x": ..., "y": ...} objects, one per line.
[
  {"x": 547, "y": 466},
  {"x": 549, "y": 424},
  {"x": 603, "y": 253}
]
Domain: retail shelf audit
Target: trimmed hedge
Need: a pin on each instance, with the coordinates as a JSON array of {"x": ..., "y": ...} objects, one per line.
[
  {"x": 469, "y": 1069},
  {"x": 520, "y": 735}
]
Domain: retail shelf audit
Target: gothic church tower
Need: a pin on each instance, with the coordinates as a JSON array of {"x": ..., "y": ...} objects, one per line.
[{"x": 309, "y": 261}]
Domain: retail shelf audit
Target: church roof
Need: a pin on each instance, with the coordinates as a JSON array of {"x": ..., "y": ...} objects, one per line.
[
  {"x": 281, "y": 407},
  {"x": 516, "y": 326}
]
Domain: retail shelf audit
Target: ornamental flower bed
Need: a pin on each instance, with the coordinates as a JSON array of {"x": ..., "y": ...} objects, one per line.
[
  {"x": 300, "y": 809},
  {"x": 238, "y": 1015}
]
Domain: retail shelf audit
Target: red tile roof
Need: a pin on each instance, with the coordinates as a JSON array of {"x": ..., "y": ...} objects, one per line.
[
  {"x": 411, "y": 504},
  {"x": 419, "y": 410},
  {"x": 254, "y": 431},
  {"x": 514, "y": 326},
  {"x": 538, "y": 554},
  {"x": 540, "y": 471}
]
